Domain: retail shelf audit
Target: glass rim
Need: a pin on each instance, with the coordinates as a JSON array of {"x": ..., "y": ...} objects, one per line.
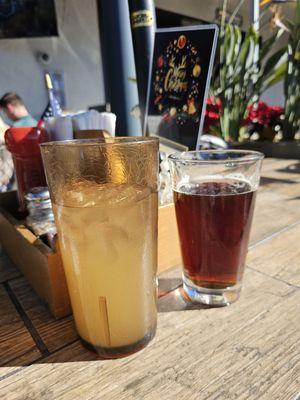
[
  {"x": 118, "y": 140},
  {"x": 247, "y": 156}
]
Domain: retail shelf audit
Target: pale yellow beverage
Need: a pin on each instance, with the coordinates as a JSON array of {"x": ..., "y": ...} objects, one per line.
[{"x": 108, "y": 242}]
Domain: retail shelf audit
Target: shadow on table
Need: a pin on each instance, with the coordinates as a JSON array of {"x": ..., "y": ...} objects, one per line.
[
  {"x": 166, "y": 285},
  {"x": 294, "y": 198},
  {"x": 264, "y": 181},
  {"x": 291, "y": 169},
  {"x": 177, "y": 301},
  {"x": 171, "y": 298}
]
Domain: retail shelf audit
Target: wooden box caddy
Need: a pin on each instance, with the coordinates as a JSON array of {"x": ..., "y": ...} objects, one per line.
[{"x": 42, "y": 266}]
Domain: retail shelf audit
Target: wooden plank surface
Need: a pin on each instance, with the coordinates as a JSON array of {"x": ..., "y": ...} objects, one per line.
[
  {"x": 278, "y": 200},
  {"x": 248, "y": 351},
  {"x": 279, "y": 256},
  {"x": 274, "y": 211},
  {"x": 16, "y": 343},
  {"x": 7, "y": 269},
  {"x": 54, "y": 333}
]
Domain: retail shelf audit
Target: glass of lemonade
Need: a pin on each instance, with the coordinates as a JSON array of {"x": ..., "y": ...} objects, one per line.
[{"x": 104, "y": 196}]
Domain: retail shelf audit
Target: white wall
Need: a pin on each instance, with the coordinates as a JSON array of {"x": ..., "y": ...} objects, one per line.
[
  {"x": 274, "y": 95},
  {"x": 203, "y": 9},
  {"x": 76, "y": 52}
]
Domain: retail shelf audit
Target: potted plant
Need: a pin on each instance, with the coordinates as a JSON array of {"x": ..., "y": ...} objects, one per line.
[{"x": 244, "y": 71}]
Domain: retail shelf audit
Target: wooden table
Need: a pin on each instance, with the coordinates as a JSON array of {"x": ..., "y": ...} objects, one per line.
[{"x": 250, "y": 350}]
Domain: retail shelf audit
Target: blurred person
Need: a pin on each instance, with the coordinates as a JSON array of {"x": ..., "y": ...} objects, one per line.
[
  {"x": 15, "y": 109},
  {"x": 3, "y": 128},
  {"x": 6, "y": 163}
]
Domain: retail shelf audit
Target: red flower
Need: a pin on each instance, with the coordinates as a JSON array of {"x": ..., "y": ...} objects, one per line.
[
  {"x": 212, "y": 113},
  {"x": 262, "y": 114},
  {"x": 276, "y": 112}
]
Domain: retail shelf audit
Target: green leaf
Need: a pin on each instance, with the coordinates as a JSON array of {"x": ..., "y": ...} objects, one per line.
[
  {"x": 240, "y": 78},
  {"x": 215, "y": 130},
  {"x": 238, "y": 41},
  {"x": 289, "y": 24},
  {"x": 267, "y": 44},
  {"x": 297, "y": 19},
  {"x": 273, "y": 61},
  {"x": 232, "y": 42},
  {"x": 251, "y": 52},
  {"x": 276, "y": 76},
  {"x": 241, "y": 60}
]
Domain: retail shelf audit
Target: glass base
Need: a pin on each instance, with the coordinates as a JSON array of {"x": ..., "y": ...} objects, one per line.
[
  {"x": 122, "y": 351},
  {"x": 211, "y": 297}
]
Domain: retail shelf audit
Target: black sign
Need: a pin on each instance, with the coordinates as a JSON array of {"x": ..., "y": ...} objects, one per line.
[
  {"x": 179, "y": 82},
  {"x": 27, "y": 18}
]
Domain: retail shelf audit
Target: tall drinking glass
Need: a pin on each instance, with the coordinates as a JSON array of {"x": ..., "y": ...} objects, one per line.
[
  {"x": 104, "y": 195},
  {"x": 214, "y": 194}
]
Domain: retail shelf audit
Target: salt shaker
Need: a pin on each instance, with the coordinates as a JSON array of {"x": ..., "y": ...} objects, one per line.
[{"x": 40, "y": 218}]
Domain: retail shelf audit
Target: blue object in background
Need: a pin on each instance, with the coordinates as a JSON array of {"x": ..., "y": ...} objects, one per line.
[
  {"x": 118, "y": 65},
  {"x": 143, "y": 25}
]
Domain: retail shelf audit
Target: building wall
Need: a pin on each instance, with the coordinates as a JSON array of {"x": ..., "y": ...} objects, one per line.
[
  {"x": 76, "y": 53},
  {"x": 202, "y": 9},
  {"x": 274, "y": 95}
]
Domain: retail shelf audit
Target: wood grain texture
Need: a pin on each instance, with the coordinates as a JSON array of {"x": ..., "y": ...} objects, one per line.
[
  {"x": 279, "y": 256},
  {"x": 15, "y": 340},
  {"x": 282, "y": 176},
  {"x": 247, "y": 351},
  {"x": 55, "y": 333},
  {"x": 275, "y": 166},
  {"x": 273, "y": 212},
  {"x": 7, "y": 269},
  {"x": 39, "y": 264},
  {"x": 278, "y": 199}
]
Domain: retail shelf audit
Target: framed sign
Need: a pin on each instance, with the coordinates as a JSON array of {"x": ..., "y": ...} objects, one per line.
[{"x": 182, "y": 62}]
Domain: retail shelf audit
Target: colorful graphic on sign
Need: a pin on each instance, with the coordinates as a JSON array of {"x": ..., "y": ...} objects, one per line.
[{"x": 181, "y": 69}]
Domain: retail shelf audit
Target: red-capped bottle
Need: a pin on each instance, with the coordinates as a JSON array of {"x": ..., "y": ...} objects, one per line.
[{"x": 23, "y": 143}]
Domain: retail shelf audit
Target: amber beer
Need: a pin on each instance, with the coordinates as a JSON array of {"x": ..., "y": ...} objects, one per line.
[
  {"x": 214, "y": 220},
  {"x": 214, "y": 196}
]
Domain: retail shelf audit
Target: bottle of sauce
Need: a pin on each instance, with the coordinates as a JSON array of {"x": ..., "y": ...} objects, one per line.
[{"x": 23, "y": 143}]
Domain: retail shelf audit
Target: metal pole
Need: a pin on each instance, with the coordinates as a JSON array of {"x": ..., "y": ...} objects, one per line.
[
  {"x": 142, "y": 13},
  {"x": 254, "y": 12},
  {"x": 118, "y": 65}
]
